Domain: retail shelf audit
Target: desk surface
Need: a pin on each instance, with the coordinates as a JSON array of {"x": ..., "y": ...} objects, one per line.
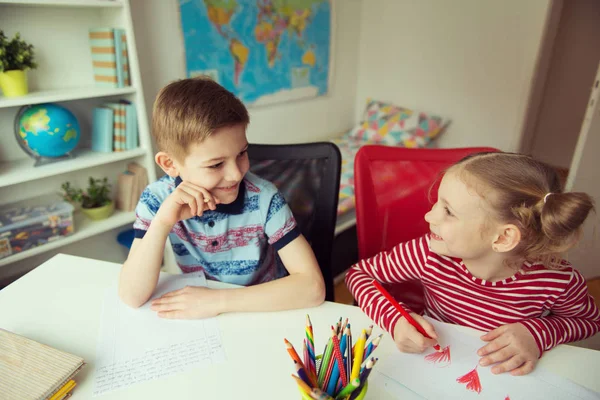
[{"x": 60, "y": 303}]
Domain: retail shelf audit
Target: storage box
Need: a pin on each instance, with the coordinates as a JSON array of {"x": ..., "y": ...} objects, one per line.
[{"x": 24, "y": 227}]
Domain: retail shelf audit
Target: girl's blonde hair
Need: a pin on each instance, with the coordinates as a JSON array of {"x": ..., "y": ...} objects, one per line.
[{"x": 528, "y": 193}]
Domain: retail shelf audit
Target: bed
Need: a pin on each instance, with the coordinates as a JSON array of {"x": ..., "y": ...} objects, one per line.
[{"x": 383, "y": 123}]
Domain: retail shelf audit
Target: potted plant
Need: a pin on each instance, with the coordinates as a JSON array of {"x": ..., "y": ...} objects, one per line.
[
  {"x": 16, "y": 57},
  {"x": 95, "y": 201}
]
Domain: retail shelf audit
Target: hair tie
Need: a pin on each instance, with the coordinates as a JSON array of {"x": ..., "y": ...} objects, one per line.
[{"x": 546, "y": 196}]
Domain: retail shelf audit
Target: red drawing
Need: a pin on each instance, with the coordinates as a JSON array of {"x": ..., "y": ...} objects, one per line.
[
  {"x": 439, "y": 357},
  {"x": 471, "y": 378},
  {"x": 507, "y": 398}
]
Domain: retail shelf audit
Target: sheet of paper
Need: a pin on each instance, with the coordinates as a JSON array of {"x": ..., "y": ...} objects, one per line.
[
  {"x": 135, "y": 345},
  {"x": 455, "y": 374}
]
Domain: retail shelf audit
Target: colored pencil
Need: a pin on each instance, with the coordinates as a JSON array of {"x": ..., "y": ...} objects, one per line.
[
  {"x": 372, "y": 346},
  {"x": 303, "y": 374},
  {"x": 350, "y": 387},
  {"x": 349, "y": 353},
  {"x": 337, "y": 352},
  {"x": 302, "y": 385},
  {"x": 358, "y": 355},
  {"x": 403, "y": 312},
  {"x": 325, "y": 363},
  {"x": 311, "y": 348},
  {"x": 318, "y": 394}
]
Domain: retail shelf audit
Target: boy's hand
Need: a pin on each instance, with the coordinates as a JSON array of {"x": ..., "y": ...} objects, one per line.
[
  {"x": 186, "y": 201},
  {"x": 409, "y": 340},
  {"x": 191, "y": 302},
  {"x": 512, "y": 347}
]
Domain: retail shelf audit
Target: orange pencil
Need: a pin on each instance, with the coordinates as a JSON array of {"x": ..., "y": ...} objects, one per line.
[{"x": 402, "y": 311}]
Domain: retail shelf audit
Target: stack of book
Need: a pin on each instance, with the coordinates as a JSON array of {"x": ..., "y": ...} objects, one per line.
[
  {"x": 32, "y": 371},
  {"x": 130, "y": 186},
  {"x": 109, "y": 57},
  {"x": 114, "y": 127}
]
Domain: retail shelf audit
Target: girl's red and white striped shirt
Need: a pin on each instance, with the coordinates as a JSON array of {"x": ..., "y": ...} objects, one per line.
[{"x": 554, "y": 305}]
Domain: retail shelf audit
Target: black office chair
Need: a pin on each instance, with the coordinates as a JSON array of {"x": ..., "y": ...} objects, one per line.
[{"x": 308, "y": 176}]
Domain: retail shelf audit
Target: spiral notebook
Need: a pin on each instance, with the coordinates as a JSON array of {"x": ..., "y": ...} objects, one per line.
[{"x": 31, "y": 370}]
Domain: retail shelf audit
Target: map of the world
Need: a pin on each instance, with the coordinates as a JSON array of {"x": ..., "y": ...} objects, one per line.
[{"x": 264, "y": 51}]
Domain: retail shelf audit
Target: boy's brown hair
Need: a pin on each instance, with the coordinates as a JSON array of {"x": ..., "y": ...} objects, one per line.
[{"x": 188, "y": 111}]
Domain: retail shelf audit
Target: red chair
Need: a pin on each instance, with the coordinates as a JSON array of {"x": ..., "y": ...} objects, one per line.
[{"x": 395, "y": 187}]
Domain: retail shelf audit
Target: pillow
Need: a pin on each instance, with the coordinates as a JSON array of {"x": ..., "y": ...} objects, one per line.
[{"x": 391, "y": 125}]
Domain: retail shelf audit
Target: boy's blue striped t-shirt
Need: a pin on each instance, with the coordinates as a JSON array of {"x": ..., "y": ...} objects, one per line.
[{"x": 236, "y": 243}]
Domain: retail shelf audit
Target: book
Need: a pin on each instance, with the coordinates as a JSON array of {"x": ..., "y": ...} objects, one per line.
[
  {"x": 119, "y": 56},
  {"x": 125, "y": 188},
  {"x": 102, "y": 129},
  {"x": 31, "y": 370},
  {"x": 119, "y": 125},
  {"x": 140, "y": 182},
  {"x": 104, "y": 56},
  {"x": 131, "y": 127},
  {"x": 125, "y": 58}
]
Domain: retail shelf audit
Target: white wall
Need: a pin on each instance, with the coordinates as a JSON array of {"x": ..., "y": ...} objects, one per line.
[
  {"x": 161, "y": 53},
  {"x": 571, "y": 72},
  {"x": 470, "y": 60},
  {"x": 161, "y": 57}
]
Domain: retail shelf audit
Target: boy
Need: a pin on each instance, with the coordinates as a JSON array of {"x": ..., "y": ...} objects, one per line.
[{"x": 219, "y": 217}]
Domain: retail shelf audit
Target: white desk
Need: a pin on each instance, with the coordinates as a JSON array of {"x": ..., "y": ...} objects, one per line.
[{"x": 60, "y": 302}]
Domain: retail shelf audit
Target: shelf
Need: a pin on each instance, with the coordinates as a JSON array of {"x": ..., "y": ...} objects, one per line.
[
  {"x": 51, "y": 96},
  {"x": 24, "y": 171},
  {"x": 64, "y": 3},
  {"x": 84, "y": 228}
]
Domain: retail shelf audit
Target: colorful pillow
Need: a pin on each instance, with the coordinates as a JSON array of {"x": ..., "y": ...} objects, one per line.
[{"x": 391, "y": 125}]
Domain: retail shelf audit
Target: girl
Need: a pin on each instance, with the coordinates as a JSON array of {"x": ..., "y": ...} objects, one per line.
[{"x": 491, "y": 262}]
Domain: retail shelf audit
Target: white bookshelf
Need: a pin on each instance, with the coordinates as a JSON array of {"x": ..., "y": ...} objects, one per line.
[
  {"x": 58, "y": 29},
  {"x": 23, "y": 170},
  {"x": 65, "y": 3},
  {"x": 67, "y": 94}
]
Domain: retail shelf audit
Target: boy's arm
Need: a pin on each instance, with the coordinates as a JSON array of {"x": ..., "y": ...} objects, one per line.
[
  {"x": 573, "y": 317},
  {"x": 154, "y": 220},
  {"x": 402, "y": 263},
  {"x": 139, "y": 275},
  {"x": 304, "y": 287}
]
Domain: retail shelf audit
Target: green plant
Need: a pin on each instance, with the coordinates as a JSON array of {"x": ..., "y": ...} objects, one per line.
[
  {"x": 15, "y": 54},
  {"x": 96, "y": 194}
]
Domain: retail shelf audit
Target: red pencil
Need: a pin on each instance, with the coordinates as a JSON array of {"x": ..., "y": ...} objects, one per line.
[{"x": 402, "y": 311}]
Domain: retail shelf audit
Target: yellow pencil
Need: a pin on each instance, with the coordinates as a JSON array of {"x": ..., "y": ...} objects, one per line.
[
  {"x": 63, "y": 390},
  {"x": 359, "y": 351}
]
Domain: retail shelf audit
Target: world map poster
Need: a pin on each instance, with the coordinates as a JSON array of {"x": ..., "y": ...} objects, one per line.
[{"x": 264, "y": 51}]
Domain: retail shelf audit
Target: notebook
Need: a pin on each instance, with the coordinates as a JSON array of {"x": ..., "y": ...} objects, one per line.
[{"x": 31, "y": 370}]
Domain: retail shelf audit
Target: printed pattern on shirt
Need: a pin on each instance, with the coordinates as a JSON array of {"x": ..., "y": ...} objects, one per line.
[
  {"x": 233, "y": 243},
  {"x": 553, "y": 305},
  {"x": 277, "y": 202}
]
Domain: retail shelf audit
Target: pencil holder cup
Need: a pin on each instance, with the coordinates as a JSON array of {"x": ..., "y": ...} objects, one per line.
[
  {"x": 342, "y": 371},
  {"x": 361, "y": 394}
]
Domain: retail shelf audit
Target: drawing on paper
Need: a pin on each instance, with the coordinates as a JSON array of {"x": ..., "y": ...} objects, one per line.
[
  {"x": 471, "y": 379},
  {"x": 440, "y": 357}
]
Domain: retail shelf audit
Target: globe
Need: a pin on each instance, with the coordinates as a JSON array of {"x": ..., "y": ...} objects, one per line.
[{"x": 46, "y": 130}]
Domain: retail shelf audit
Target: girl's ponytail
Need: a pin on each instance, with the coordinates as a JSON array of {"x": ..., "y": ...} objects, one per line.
[{"x": 561, "y": 217}]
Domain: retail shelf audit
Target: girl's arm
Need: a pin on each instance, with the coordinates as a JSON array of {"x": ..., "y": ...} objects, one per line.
[
  {"x": 573, "y": 317},
  {"x": 402, "y": 263}
]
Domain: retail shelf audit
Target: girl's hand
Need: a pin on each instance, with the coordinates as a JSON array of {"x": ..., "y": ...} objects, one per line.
[
  {"x": 512, "y": 347},
  {"x": 191, "y": 302},
  {"x": 186, "y": 201},
  {"x": 409, "y": 340}
]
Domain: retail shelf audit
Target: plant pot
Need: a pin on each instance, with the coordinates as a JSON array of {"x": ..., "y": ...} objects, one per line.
[
  {"x": 99, "y": 213},
  {"x": 13, "y": 83}
]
